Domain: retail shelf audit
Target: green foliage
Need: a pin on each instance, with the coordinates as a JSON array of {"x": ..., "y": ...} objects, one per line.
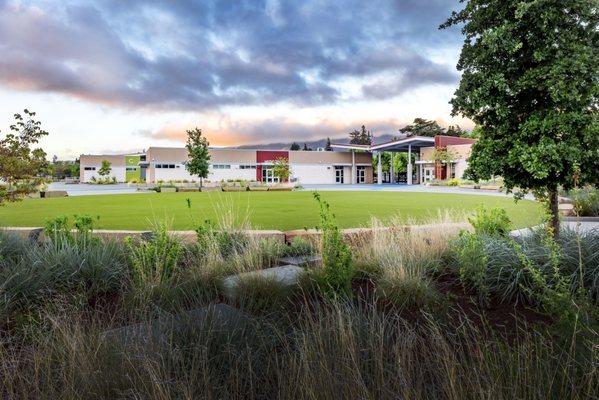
[
  {"x": 470, "y": 262},
  {"x": 199, "y": 156},
  {"x": 423, "y": 127},
  {"x": 336, "y": 256},
  {"x": 105, "y": 168},
  {"x": 294, "y": 147},
  {"x": 226, "y": 242},
  {"x": 153, "y": 261},
  {"x": 530, "y": 83},
  {"x": 57, "y": 270},
  {"x": 298, "y": 247},
  {"x": 409, "y": 292},
  {"x": 21, "y": 167},
  {"x": 280, "y": 169},
  {"x": 491, "y": 221},
  {"x": 360, "y": 137},
  {"x": 453, "y": 182},
  {"x": 59, "y": 229},
  {"x": 586, "y": 202}
]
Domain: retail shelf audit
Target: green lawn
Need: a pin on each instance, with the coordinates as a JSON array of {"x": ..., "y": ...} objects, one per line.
[{"x": 266, "y": 210}]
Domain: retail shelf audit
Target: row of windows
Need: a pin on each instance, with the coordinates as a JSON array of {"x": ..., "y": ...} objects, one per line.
[
  {"x": 131, "y": 168},
  {"x": 221, "y": 166},
  {"x": 169, "y": 166},
  {"x": 89, "y": 168}
]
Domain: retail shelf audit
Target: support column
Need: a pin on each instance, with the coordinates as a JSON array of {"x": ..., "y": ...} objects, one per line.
[
  {"x": 379, "y": 170},
  {"x": 409, "y": 180},
  {"x": 353, "y": 167},
  {"x": 391, "y": 169}
]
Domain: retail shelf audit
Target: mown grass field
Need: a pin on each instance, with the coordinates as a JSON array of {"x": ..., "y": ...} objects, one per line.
[{"x": 265, "y": 210}]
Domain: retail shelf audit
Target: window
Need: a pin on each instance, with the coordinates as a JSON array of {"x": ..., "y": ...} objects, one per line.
[
  {"x": 158, "y": 166},
  {"x": 169, "y": 166},
  {"x": 131, "y": 168},
  {"x": 247, "y": 167},
  {"x": 89, "y": 168},
  {"x": 142, "y": 158},
  {"x": 221, "y": 166}
]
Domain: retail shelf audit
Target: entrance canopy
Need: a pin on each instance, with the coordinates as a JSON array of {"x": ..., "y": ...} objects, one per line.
[{"x": 401, "y": 145}]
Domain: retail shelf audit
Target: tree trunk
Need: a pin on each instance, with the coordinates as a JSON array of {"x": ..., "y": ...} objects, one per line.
[{"x": 553, "y": 208}]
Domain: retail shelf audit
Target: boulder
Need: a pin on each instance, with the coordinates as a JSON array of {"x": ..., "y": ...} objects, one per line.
[
  {"x": 54, "y": 193},
  {"x": 287, "y": 275}
]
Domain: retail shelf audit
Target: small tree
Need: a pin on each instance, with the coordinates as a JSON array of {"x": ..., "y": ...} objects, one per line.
[
  {"x": 105, "y": 168},
  {"x": 328, "y": 146},
  {"x": 21, "y": 166},
  {"x": 530, "y": 82},
  {"x": 199, "y": 156},
  {"x": 281, "y": 169},
  {"x": 306, "y": 148},
  {"x": 294, "y": 147}
]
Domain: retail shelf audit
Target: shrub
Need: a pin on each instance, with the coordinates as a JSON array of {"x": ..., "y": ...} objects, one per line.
[
  {"x": 336, "y": 257},
  {"x": 586, "y": 202},
  {"x": 411, "y": 292},
  {"x": 154, "y": 261},
  {"x": 492, "y": 222},
  {"x": 298, "y": 247},
  {"x": 453, "y": 182}
]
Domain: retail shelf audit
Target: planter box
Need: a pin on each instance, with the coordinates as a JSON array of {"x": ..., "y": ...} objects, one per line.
[
  {"x": 234, "y": 188},
  {"x": 168, "y": 190},
  {"x": 184, "y": 189},
  {"x": 55, "y": 193},
  {"x": 211, "y": 189},
  {"x": 280, "y": 188},
  {"x": 258, "y": 188}
]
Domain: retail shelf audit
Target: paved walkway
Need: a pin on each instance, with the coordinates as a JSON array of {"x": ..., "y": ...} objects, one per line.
[
  {"x": 582, "y": 227},
  {"x": 388, "y": 187}
]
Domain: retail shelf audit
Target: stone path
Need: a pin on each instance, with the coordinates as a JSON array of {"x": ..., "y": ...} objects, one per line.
[{"x": 583, "y": 226}]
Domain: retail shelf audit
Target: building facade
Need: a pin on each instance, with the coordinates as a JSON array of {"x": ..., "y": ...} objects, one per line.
[{"x": 165, "y": 164}]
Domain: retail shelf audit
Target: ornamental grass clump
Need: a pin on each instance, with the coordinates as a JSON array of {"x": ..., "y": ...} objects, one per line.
[{"x": 154, "y": 261}]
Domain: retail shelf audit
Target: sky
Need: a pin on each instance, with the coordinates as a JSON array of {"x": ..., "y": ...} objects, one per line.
[{"x": 116, "y": 76}]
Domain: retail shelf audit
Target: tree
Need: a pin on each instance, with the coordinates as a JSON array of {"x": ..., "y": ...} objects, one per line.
[
  {"x": 294, "y": 146},
  {"x": 456, "y": 130},
  {"x": 360, "y": 137},
  {"x": 280, "y": 169},
  {"x": 105, "y": 168},
  {"x": 199, "y": 156},
  {"x": 423, "y": 127},
  {"x": 306, "y": 148},
  {"x": 530, "y": 73},
  {"x": 21, "y": 167},
  {"x": 327, "y": 146}
]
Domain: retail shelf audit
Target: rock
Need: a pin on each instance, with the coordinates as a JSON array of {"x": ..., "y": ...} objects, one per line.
[
  {"x": 168, "y": 189},
  {"x": 564, "y": 200},
  {"x": 287, "y": 275},
  {"x": 159, "y": 332},
  {"x": 566, "y": 209},
  {"x": 301, "y": 260}
]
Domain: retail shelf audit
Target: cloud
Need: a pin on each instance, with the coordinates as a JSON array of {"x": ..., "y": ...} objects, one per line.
[{"x": 194, "y": 56}]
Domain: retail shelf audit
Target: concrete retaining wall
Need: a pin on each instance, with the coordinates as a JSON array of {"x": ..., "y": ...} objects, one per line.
[{"x": 352, "y": 235}]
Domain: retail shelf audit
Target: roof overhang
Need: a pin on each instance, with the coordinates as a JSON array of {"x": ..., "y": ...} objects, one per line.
[
  {"x": 400, "y": 145},
  {"x": 415, "y": 142}
]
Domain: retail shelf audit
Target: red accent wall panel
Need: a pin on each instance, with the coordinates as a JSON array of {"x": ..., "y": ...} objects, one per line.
[
  {"x": 263, "y": 156},
  {"x": 442, "y": 141}
]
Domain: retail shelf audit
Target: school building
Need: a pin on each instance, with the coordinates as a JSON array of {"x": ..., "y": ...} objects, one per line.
[{"x": 347, "y": 164}]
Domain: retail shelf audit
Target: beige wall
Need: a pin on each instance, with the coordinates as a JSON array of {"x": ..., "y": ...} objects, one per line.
[
  {"x": 461, "y": 150},
  {"x": 327, "y": 157},
  {"x": 180, "y": 154}
]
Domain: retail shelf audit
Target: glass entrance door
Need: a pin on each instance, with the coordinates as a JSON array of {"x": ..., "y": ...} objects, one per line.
[
  {"x": 361, "y": 175},
  {"x": 268, "y": 175},
  {"x": 338, "y": 174}
]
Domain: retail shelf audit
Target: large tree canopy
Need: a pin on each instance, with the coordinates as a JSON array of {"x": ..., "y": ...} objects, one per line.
[
  {"x": 530, "y": 72},
  {"x": 423, "y": 127}
]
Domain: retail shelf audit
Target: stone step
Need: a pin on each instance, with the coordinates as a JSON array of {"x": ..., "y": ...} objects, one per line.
[{"x": 287, "y": 275}]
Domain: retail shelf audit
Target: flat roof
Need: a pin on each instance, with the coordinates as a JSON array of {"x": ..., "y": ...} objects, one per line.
[{"x": 394, "y": 145}]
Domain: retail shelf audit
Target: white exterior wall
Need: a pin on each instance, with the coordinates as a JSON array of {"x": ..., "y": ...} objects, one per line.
[
  {"x": 460, "y": 167},
  {"x": 214, "y": 174},
  {"x": 117, "y": 172},
  {"x": 313, "y": 174}
]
